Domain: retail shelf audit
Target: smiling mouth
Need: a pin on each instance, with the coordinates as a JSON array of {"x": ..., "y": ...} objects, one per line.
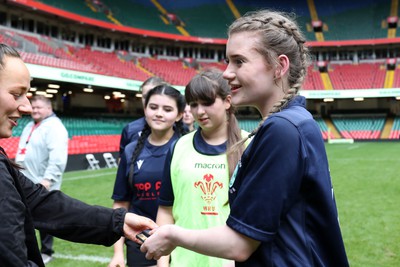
[
  {"x": 14, "y": 122},
  {"x": 235, "y": 88}
]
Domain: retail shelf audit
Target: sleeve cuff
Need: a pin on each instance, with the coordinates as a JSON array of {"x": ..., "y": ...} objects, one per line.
[{"x": 118, "y": 221}]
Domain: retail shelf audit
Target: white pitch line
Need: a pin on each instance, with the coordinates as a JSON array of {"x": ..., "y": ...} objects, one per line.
[
  {"x": 82, "y": 258},
  {"x": 353, "y": 147},
  {"x": 88, "y": 176}
]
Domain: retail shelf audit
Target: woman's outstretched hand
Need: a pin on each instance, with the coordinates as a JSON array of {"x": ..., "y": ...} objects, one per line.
[{"x": 134, "y": 224}]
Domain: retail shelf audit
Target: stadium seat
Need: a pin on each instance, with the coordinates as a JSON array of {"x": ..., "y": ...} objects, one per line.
[
  {"x": 361, "y": 76},
  {"x": 110, "y": 160},
  {"x": 93, "y": 162}
]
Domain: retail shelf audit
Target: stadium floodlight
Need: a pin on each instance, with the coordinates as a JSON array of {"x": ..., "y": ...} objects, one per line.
[
  {"x": 88, "y": 90},
  {"x": 328, "y": 99},
  {"x": 359, "y": 99},
  {"x": 54, "y": 86},
  {"x": 118, "y": 94},
  {"x": 52, "y": 91}
]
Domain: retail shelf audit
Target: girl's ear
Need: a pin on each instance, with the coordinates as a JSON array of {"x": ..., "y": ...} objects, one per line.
[
  {"x": 228, "y": 102},
  {"x": 179, "y": 117},
  {"x": 283, "y": 66}
]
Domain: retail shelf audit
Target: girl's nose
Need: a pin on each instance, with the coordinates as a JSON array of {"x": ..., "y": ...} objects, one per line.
[
  {"x": 25, "y": 106},
  {"x": 200, "y": 109},
  {"x": 228, "y": 74},
  {"x": 159, "y": 112}
]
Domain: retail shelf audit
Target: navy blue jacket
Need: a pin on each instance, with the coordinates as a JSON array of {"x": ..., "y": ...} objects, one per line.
[{"x": 282, "y": 194}]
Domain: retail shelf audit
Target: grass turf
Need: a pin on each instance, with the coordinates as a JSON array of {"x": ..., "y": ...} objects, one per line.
[{"x": 366, "y": 180}]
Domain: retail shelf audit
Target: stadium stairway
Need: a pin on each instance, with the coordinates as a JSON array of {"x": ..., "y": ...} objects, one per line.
[
  {"x": 389, "y": 79},
  {"x": 393, "y": 13},
  {"x": 163, "y": 11},
  {"x": 233, "y": 8},
  {"x": 139, "y": 66},
  {"x": 332, "y": 128},
  {"x": 326, "y": 81},
  {"x": 387, "y": 128},
  {"x": 314, "y": 17}
]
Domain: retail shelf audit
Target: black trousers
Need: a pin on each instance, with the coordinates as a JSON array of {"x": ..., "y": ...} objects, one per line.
[
  {"x": 46, "y": 241},
  {"x": 135, "y": 257}
]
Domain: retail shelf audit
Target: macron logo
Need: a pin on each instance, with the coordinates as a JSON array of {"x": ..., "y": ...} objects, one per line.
[{"x": 139, "y": 163}]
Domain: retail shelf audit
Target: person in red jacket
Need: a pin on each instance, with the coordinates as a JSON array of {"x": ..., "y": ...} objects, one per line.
[{"x": 26, "y": 206}]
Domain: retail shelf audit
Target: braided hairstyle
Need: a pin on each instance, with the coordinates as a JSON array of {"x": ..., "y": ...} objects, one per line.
[
  {"x": 206, "y": 87},
  {"x": 169, "y": 91},
  {"x": 278, "y": 34}
]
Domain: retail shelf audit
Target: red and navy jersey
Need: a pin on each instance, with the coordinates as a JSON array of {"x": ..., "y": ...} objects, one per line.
[
  {"x": 282, "y": 195},
  {"x": 143, "y": 192}
]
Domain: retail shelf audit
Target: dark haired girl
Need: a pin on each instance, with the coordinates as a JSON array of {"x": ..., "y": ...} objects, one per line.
[{"x": 141, "y": 167}]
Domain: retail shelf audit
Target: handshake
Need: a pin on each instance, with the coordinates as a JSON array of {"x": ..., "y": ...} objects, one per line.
[
  {"x": 142, "y": 236},
  {"x": 140, "y": 229}
]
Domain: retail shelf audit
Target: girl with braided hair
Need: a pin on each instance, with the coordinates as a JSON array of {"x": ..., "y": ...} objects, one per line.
[
  {"x": 283, "y": 211},
  {"x": 139, "y": 173}
]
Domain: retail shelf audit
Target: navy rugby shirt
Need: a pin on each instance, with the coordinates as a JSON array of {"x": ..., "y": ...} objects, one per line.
[
  {"x": 143, "y": 193},
  {"x": 282, "y": 194}
]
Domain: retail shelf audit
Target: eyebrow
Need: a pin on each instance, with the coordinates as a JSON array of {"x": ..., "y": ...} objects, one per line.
[
  {"x": 22, "y": 88},
  {"x": 235, "y": 56},
  {"x": 161, "y": 105}
]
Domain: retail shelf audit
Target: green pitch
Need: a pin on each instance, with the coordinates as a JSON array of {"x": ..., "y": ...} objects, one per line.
[{"x": 366, "y": 180}]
